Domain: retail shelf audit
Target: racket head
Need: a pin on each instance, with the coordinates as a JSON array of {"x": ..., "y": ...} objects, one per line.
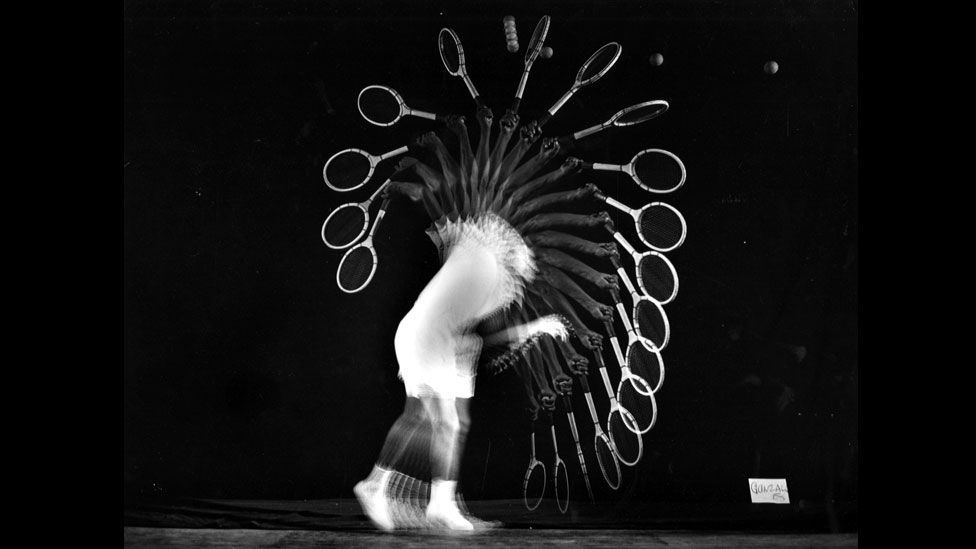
[
  {"x": 560, "y": 479},
  {"x": 657, "y": 277},
  {"x": 534, "y": 485},
  {"x": 658, "y": 171},
  {"x": 625, "y": 435},
  {"x": 635, "y": 395},
  {"x": 538, "y": 39},
  {"x": 357, "y": 267},
  {"x": 598, "y": 64},
  {"x": 641, "y": 112},
  {"x": 651, "y": 322},
  {"x": 349, "y": 169},
  {"x": 339, "y": 230},
  {"x": 644, "y": 361},
  {"x": 606, "y": 457},
  {"x": 661, "y": 227},
  {"x": 451, "y": 51},
  {"x": 381, "y": 105}
]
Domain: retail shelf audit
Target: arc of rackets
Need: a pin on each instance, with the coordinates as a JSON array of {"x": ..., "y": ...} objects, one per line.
[
  {"x": 629, "y": 116},
  {"x": 647, "y": 165},
  {"x": 349, "y": 169},
  {"x": 531, "y": 54},
  {"x": 629, "y": 381},
  {"x": 402, "y": 109},
  {"x": 606, "y": 454},
  {"x": 452, "y": 55},
  {"x": 339, "y": 230},
  {"x": 609, "y": 53},
  {"x": 649, "y": 319},
  {"x": 621, "y": 424},
  {"x": 358, "y": 265}
]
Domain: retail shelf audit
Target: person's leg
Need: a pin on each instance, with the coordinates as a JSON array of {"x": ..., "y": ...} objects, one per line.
[
  {"x": 445, "y": 450},
  {"x": 373, "y": 492}
]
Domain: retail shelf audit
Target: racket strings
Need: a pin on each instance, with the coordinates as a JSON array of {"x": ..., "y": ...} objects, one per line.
[
  {"x": 641, "y": 406},
  {"x": 656, "y": 278},
  {"x": 626, "y": 441},
  {"x": 652, "y": 322},
  {"x": 658, "y": 172},
  {"x": 534, "y": 489},
  {"x": 356, "y": 269},
  {"x": 603, "y": 57},
  {"x": 647, "y": 365},
  {"x": 345, "y": 226},
  {"x": 347, "y": 170},
  {"x": 607, "y": 460},
  {"x": 660, "y": 227},
  {"x": 379, "y": 105}
]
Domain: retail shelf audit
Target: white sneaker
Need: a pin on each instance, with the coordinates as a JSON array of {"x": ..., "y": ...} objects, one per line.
[
  {"x": 447, "y": 516},
  {"x": 374, "y": 504}
]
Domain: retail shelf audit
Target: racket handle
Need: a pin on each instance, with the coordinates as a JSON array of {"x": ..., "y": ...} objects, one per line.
[
  {"x": 379, "y": 216},
  {"x": 543, "y": 119}
]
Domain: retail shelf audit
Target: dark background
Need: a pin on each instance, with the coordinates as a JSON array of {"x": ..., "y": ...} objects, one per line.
[{"x": 248, "y": 374}]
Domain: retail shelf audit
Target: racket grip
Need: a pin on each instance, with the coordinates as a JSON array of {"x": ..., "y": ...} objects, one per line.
[
  {"x": 515, "y": 104},
  {"x": 543, "y": 119}
]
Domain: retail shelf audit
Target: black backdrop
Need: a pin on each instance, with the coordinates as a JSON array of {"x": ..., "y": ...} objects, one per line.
[{"x": 248, "y": 374}]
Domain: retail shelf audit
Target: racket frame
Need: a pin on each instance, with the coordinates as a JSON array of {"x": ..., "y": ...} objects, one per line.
[
  {"x": 616, "y": 407},
  {"x": 638, "y": 257},
  {"x": 368, "y": 244},
  {"x": 373, "y": 162},
  {"x": 578, "y": 84},
  {"x": 599, "y": 434},
  {"x": 531, "y": 54},
  {"x": 613, "y": 120},
  {"x": 462, "y": 70},
  {"x": 364, "y": 207},
  {"x": 557, "y": 464},
  {"x": 637, "y": 298},
  {"x": 533, "y": 463},
  {"x": 404, "y": 109}
]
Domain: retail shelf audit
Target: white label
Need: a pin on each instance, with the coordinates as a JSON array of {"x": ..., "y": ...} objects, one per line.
[{"x": 769, "y": 490}]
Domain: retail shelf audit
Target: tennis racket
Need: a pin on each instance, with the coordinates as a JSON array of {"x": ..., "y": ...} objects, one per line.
[
  {"x": 383, "y": 106},
  {"x": 568, "y": 405},
  {"x": 531, "y": 54},
  {"x": 621, "y": 424},
  {"x": 452, "y": 55},
  {"x": 592, "y": 70},
  {"x": 349, "y": 169},
  {"x": 630, "y": 116},
  {"x": 642, "y": 357},
  {"x": 633, "y": 391},
  {"x": 606, "y": 453},
  {"x": 358, "y": 265},
  {"x": 348, "y": 223},
  {"x": 559, "y": 470},
  {"x": 655, "y": 170},
  {"x": 656, "y": 275},
  {"x": 649, "y": 319},
  {"x": 660, "y": 226},
  {"x": 535, "y": 466}
]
